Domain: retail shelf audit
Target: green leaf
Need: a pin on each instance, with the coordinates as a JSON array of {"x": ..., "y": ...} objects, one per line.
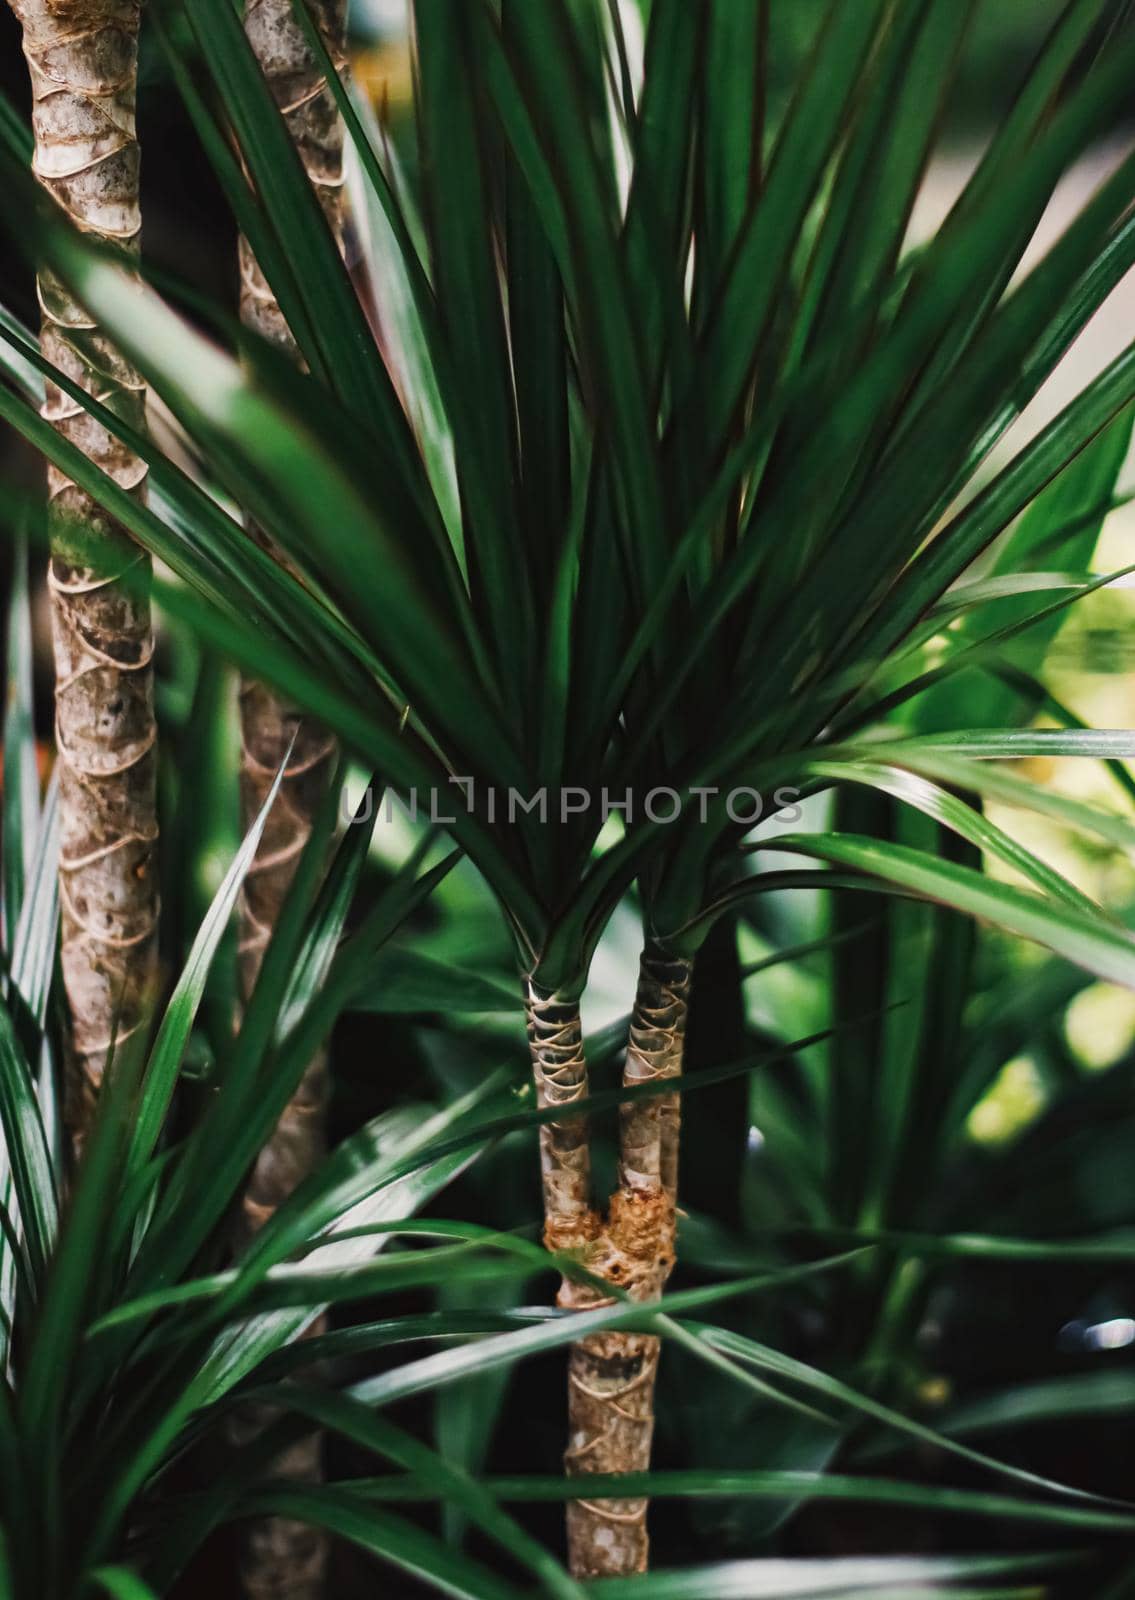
[
  {"x": 395, "y": 1542},
  {"x": 874, "y": 187},
  {"x": 377, "y": 1434},
  {"x": 1007, "y": 744},
  {"x": 21, "y": 774},
  {"x": 905, "y": 1578},
  {"x": 15, "y": 363},
  {"x": 1036, "y": 102},
  {"x": 540, "y": 96},
  {"x": 304, "y": 1285},
  {"x": 224, "y": 1143},
  {"x": 332, "y": 909},
  {"x": 467, "y": 1415},
  {"x": 32, "y": 955},
  {"x": 732, "y": 126},
  {"x": 918, "y": 484},
  {"x": 962, "y": 819},
  {"x": 80, "y": 1263},
  {"x": 238, "y": 1348},
  {"x": 174, "y": 37},
  {"x": 449, "y": 1366},
  {"x": 366, "y": 1170},
  {"x": 33, "y": 1178},
  {"x": 993, "y": 781},
  {"x": 1107, "y": 951},
  {"x": 539, "y": 348},
  {"x": 800, "y": 1487},
  {"x": 198, "y": 539},
  {"x": 745, "y": 1352},
  {"x": 350, "y": 360},
  {"x": 764, "y": 248},
  {"x": 656, "y": 230},
  {"x": 413, "y": 981},
  {"x": 173, "y": 1035},
  {"x": 405, "y": 307},
  {"x": 379, "y": 741},
  {"x": 974, "y": 527},
  {"x": 476, "y": 381},
  {"x": 1066, "y": 518},
  {"x": 122, "y": 1584},
  {"x": 264, "y": 449},
  {"x": 1080, "y": 1394}
]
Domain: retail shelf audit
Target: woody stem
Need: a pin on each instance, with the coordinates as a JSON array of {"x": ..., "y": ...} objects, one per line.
[{"x": 82, "y": 59}]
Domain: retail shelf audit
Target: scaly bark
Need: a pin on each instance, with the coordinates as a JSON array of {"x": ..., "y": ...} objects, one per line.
[
  {"x": 649, "y": 1128},
  {"x": 268, "y": 726},
  {"x": 283, "y": 1559},
  {"x": 555, "y": 1045},
  {"x": 268, "y": 723},
  {"x": 611, "y": 1375},
  {"x": 82, "y": 56}
]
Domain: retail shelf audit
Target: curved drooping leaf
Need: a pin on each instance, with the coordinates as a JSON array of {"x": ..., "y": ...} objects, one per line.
[{"x": 1104, "y": 949}]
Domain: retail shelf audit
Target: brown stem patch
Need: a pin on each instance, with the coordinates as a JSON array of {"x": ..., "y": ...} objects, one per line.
[
  {"x": 82, "y": 58},
  {"x": 611, "y": 1375},
  {"x": 555, "y": 1043},
  {"x": 283, "y": 1558}
]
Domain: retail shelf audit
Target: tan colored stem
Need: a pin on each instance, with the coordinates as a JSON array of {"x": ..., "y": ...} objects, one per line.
[
  {"x": 555, "y": 1044},
  {"x": 611, "y": 1375},
  {"x": 649, "y": 1128},
  {"x": 309, "y": 108},
  {"x": 611, "y": 1390},
  {"x": 82, "y": 57},
  {"x": 268, "y": 723},
  {"x": 268, "y": 727},
  {"x": 283, "y": 1559}
]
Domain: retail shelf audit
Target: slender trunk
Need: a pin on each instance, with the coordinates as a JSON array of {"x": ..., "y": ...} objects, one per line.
[
  {"x": 283, "y": 1559},
  {"x": 82, "y": 56},
  {"x": 611, "y": 1375},
  {"x": 268, "y": 723},
  {"x": 268, "y": 726},
  {"x": 649, "y": 1128},
  {"x": 555, "y": 1043}
]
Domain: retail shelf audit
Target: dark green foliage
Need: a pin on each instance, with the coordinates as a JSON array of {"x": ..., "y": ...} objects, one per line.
[{"x": 685, "y": 479}]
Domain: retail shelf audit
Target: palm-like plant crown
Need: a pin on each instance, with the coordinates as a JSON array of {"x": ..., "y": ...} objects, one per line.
[{"x": 675, "y": 477}]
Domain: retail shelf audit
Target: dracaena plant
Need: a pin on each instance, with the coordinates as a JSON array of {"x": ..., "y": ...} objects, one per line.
[
  {"x": 124, "y": 1332},
  {"x": 661, "y": 477},
  {"x": 273, "y": 730},
  {"x": 270, "y": 726},
  {"x": 83, "y": 71},
  {"x": 129, "y": 1344}
]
